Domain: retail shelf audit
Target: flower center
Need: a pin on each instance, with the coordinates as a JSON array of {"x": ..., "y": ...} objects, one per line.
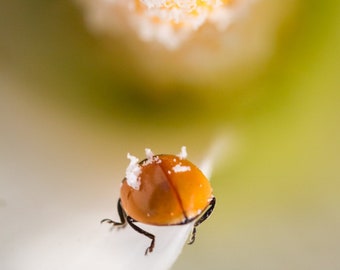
[{"x": 192, "y": 13}]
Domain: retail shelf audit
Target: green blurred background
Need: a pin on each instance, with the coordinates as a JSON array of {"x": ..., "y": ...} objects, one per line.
[{"x": 73, "y": 103}]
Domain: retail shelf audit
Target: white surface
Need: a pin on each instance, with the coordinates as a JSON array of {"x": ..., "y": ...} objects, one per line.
[{"x": 56, "y": 184}]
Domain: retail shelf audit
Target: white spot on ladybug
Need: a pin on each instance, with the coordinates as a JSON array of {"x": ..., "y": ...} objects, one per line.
[
  {"x": 158, "y": 160},
  {"x": 133, "y": 172},
  {"x": 150, "y": 158},
  {"x": 179, "y": 168}
]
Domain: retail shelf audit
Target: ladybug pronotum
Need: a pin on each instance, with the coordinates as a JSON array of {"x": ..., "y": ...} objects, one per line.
[{"x": 163, "y": 190}]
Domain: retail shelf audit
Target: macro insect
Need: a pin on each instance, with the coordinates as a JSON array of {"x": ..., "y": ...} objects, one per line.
[{"x": 163, "y": 190}]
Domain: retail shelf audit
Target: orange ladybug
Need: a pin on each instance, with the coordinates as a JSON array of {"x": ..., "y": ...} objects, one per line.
[{"x": 163, "y": 190}]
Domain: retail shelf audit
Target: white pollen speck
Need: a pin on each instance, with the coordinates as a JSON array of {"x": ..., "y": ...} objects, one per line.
[
  {"x": 183, "y": 154},
  {"x": 178, "y": 168},
  {"x": 148, "y": 153},
  {"x": 150, "y": 157},
  {"x": 169, "y": 172},
  {"x": 132, "y": 172}
]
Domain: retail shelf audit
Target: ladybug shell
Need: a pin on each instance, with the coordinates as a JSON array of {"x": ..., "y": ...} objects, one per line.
[{"x": 172, "y": 191}]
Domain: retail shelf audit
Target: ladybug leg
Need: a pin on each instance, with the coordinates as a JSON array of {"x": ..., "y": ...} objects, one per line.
[
  {"x": 131, "y": 221},
  {"x": 206, "y": 214},
  {"x": 122, "y": 216}
]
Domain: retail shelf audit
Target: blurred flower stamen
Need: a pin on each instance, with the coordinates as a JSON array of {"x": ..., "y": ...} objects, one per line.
[{"x": 170, "y": 22}]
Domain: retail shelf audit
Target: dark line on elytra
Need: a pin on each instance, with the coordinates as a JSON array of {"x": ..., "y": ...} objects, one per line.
[{"x": 175, "y": 191}]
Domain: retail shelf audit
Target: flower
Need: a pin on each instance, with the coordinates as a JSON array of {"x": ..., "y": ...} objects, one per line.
[
  {"x": 219, "y": 44},
  {"x": 169, "y": 22}
]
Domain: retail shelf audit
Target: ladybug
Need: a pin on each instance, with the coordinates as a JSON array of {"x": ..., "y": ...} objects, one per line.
[{"x": 163, "y": 190}]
